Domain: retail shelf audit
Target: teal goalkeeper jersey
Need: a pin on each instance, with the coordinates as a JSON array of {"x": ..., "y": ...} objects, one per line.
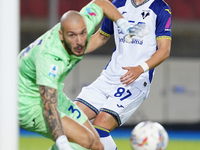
[{"x": 46, "y": 62}]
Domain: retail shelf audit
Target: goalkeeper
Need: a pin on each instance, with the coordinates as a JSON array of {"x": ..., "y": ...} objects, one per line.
[{"x": 44, "y": 64}]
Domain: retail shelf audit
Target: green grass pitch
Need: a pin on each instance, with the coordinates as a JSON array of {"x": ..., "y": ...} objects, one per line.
[{"x": 28, "y": 143}]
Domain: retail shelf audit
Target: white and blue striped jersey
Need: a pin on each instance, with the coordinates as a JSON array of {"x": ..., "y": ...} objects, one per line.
[{"x": 156, "y": 14}]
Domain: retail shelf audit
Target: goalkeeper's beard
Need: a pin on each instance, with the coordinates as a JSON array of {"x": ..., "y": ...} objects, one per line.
[{"x": 69, "y": 48}]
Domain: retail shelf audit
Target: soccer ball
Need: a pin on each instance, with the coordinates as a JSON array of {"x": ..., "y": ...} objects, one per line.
[{"x": 149, "y": 135}]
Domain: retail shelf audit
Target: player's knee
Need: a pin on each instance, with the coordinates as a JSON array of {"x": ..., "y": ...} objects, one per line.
[
  {"x": 97, "y": 145},
  {"x": 88, "y": 140}
]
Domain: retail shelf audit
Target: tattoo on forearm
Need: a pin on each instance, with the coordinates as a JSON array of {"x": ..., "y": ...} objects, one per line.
[{"x": 49, "y": 98}]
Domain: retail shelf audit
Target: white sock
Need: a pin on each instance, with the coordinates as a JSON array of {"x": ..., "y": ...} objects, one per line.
[
  {"x": 106, "y": 138},
  {"x": 108, "y": 143}
]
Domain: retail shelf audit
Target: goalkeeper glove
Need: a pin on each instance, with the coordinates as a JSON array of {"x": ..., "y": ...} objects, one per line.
[
  {"x": 123, "y": 25},
  {"x": 139, "y": 30}
]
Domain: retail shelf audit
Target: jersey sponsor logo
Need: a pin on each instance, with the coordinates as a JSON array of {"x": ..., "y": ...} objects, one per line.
[
  {"x": 90, "y": 13},
  {"x": 71, "y": 108},
  {"x": 53, "y": 71},
  {"x": 134, "y": 41},
  {"x": 168, "y": 11},
  {"x": 145, "y": 13}
]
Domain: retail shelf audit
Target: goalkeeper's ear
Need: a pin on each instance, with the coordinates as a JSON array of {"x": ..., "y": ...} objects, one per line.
[{"x": 61, "y": 35}]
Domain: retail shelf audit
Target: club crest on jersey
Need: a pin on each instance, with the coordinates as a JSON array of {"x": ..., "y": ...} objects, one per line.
[
  {"x": 53, "y": 71},
  {"x": 90, "y": 13},
  {"x": 145, "y": 13}
]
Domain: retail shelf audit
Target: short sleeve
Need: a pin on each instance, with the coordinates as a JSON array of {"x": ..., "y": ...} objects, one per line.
[
  {"x": 163, "y": 24},
  {"x": 93, "y": 14},
  {"x": 107, "y": 27}
]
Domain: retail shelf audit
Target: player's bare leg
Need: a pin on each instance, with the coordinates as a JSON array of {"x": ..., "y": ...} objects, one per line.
[
  {"x": 77, "y": 133},
  {"x": 87, "y": 111},
  {"x": 97, "y": 145},
  {"x": 104, "y": 123}
]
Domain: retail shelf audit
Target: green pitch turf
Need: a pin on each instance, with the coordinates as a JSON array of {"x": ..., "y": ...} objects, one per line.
[
  {"x": 27, "y": 143},
  {"x": 173, "y": 145}
]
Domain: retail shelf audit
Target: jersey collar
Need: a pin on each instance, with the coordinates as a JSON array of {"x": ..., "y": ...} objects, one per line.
[{"x": 133, "y": 3}]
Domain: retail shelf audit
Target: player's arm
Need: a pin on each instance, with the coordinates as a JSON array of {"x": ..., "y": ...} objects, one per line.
[
  {"x": 50, "y": 99},
  {"x": 109, "y": 10},
  {"x": 163, "y": 43},
  {"x": 96, "y": 41},
  {"x": 163, "y": 36},
  {"x": 163, "y": 52}
]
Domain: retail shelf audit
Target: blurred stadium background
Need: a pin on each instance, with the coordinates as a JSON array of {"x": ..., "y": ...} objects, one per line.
[{"x": 174, "y": 100}]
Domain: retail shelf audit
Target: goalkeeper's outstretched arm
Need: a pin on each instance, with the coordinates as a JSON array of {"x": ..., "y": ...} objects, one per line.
[
  {"x": 50, "y": 99},
  {"x": 97, "y": 40}
]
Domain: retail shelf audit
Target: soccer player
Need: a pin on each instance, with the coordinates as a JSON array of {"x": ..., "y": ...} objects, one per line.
[
  {"x": 43, "y": 65},
  {"x": 125, "y": 82}
]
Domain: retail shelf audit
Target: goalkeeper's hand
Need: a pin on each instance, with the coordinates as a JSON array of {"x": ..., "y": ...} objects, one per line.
[
  {"x": 62, "y": 143},
  {"x": 139, "y": 30}
]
